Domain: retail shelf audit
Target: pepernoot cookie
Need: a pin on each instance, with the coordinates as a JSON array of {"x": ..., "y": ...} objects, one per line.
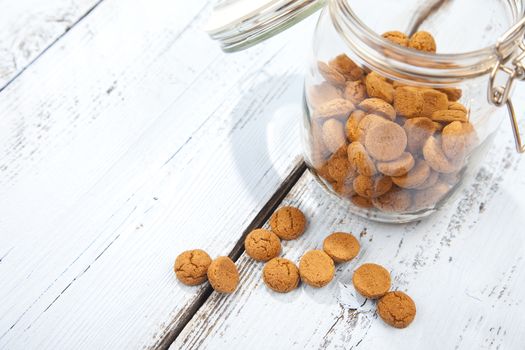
[
  {"x": 262, "y": 245},
  {"x": 415, "y": 177},
  {"x": 223, "y": 275},
  {"x": 371, "y": 280},
  {"x": 281, "y": 275},
  {"x": 396, "y": 37},
  {"x": 316, "y": 268},
  {"x": 396, "y": 309},
  {"x": 371, "y": 187},
  {"x": 385, "y": 141},
  {"x": 397, "y": 167},
  {"x": 288, "y": 222},
  {"x": 422, "y": 41},
  {"x": 341, "y": 246},
  {"x": 191, "y": 266},
  {"x": 394, "y": 201}
]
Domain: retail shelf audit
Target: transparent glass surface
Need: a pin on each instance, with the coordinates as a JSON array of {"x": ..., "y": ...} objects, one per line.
[{"x": 391, "y": 129}]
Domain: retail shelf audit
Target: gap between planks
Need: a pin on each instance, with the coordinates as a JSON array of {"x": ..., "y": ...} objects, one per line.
[{"x": 261, "y": 217}]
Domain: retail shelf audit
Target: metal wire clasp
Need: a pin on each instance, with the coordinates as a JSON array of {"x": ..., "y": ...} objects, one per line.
[{"x": 500, "y": 95}]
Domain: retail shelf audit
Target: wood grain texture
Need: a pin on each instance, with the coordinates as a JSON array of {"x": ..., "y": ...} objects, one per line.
[
  {"x": 132, "y": 139},
  {"x": 464, "y": 267},
  {"x": 29, "y": 27}
]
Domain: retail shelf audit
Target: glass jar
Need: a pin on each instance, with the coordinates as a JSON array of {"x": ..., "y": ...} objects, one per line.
[{"x": 391, "y": 127}]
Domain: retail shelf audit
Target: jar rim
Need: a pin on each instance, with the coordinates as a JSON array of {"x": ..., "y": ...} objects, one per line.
[{"x": 403, "y": 63}]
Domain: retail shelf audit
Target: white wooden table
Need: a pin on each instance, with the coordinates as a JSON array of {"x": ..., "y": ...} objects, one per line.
[{"x": 127, "y": 136}]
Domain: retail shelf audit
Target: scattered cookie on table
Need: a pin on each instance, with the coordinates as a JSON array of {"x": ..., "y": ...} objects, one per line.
[
  {"x": 396, "y": 309},
  {"x": 316, "y": 268},
  {"x": 341, "y": 246},
  {"x": 281, "y": 275},
  {"x": 371, "y": 280},
  {"x": 288, "y": 222},
  {"x": 191, "y": 267},
  {"x": 262, "y": 245},
  {"x": 223, "y": 275}
]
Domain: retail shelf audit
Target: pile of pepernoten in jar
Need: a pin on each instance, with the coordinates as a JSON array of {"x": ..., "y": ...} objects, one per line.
[{"x": 384, "y": 144}]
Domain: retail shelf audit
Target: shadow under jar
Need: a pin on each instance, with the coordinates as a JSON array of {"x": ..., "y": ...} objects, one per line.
[{"x": 397, "y": 109}]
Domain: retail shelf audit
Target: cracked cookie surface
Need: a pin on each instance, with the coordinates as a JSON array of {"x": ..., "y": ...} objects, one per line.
[
  {"x": 262, "y": 245},
  {"x": 397, "y": 309},
  {"x": 281, "y": 275},
  {"x": 288, "y": 222},
  {"x": 191, "y": 266}
]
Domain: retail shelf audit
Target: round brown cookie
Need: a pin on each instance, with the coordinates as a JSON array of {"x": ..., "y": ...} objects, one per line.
[
  {"x": 397, "y": 167},
  {"x": 378, "y": 106},
  {"x": 223, "y": 275},
  {"x": 458, "y": 139},
  {"x": 352, "y": 125},
  {"x": 355, "y": 91},
  {"x": 190, "y": 267},
  {"x": 281, "y": 275},
  {"x": 396, "y": 37},
  {"x": 360, "y": 160},
  {"x": 348, "y": 68},
  {"x": 262, "y": 245},
  {"x": 396, "y": 309},
  {"x": 316, "y": 268},
  {"x": 436, "y": 158},
  {"x": 339, "y": 169},
  {"x": 418, "y": 131},
  {"x": 371, "y": 187},
  {"x": 371, "y": 280},
  {"x": 415, "y": 177},
  {"x": 422, "y": 41},
  {"x": 377, "y": 86},
  {"x": 288, "y": 222},
  {"x": 345, "y": 188},
  {"x": 321, "y": 93},
  {"x": 331, "y": 75},
  {"x": 365, "y": 124},
  {"x": 341, "y": 246},
  {"x": 362, "y": 202},
  {"x": 385, "y": 141},
  {"x": 394, "y": 201},
  {"x": 427, "y": 198},
  {"x": 333, "y": 134},
  {"x": 430, "y": 181},
  {"x": 336, "y": 108}
]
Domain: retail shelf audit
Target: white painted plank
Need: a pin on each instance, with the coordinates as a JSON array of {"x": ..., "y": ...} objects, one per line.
[
  {"x": 464, "y": 267},
  {"x": 145, "y": 140},
  {"x": 29, "y": 27}
]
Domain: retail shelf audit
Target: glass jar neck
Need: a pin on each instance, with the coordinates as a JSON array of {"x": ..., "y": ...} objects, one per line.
[{"x": 402, "y": 63}]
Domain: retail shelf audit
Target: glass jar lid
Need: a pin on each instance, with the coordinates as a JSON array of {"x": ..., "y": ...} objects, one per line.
[{"x": 239, "y": 24}]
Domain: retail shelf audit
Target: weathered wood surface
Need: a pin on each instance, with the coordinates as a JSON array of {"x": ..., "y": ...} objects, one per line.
[
  {"x": 464, "y": 267},
  {"x": 29, "y": 27},
  {"x": 131, "y": 139}
]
